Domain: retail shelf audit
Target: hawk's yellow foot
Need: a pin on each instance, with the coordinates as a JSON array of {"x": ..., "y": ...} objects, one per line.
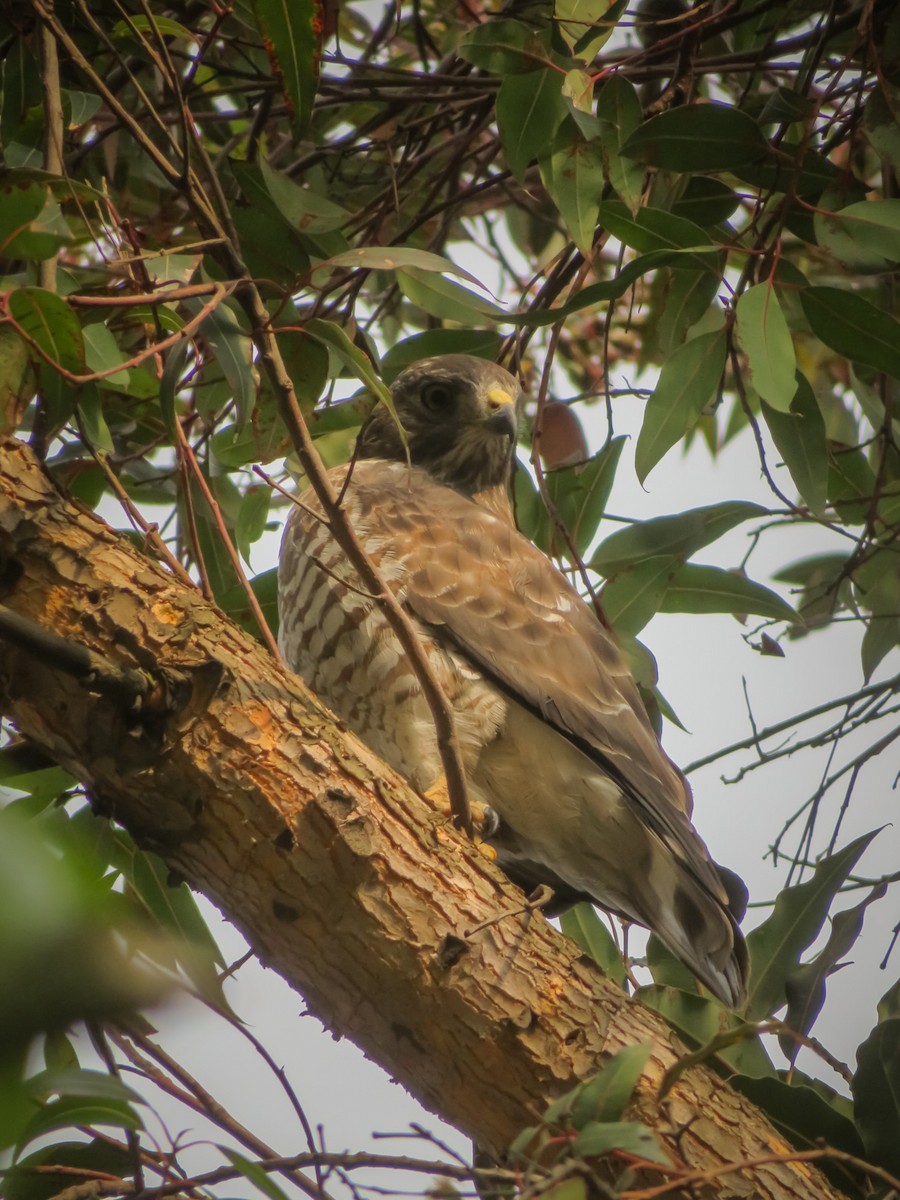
[{"x": 484, "y": 819}]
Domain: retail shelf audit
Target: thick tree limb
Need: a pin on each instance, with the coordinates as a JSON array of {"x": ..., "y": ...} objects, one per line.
[{"x": 337, "y": 873}]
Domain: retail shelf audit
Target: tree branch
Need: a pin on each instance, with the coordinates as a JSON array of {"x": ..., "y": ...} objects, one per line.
[{"x": 337, "y": 873}]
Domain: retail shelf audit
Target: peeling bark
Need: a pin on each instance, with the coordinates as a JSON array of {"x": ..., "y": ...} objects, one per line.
[{"x": 339, "y": 875}]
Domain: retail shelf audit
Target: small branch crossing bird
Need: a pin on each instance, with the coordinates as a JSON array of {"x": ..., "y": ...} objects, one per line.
[{"x": 554, "y": 738}]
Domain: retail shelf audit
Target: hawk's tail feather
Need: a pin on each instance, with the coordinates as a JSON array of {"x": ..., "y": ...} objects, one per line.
[{"x": 702, "y": 932}]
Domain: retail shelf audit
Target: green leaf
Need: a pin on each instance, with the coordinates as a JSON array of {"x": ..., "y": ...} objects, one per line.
[
  {"x": 16, "y": 379},
  {"x": 292, "y": 36},
  {"x": 586, "y": 25},
  {"x": 529, "y": 109},
  {"x": 619, "y": 114},
  {"x": 652, "y": 229},
  {"x": 629, "y": 1136},
  {"x": 582, "y": 924},
  {"x": 93, "y": 424},
  {"x": 798, "y": 916},
  {"x": 800, "y": 438},
  {"x": 234, "y": 352},
  {"x": 48, "y": 321},
  {"x": 94, "y": 1085},
  {"x": 394, "y": 258},
  {"x": 572, "y": 172},
  {"x": 764, "y": 335},
  {"x": 580, "y": 494},
  {"x": 880, "y": 121},
  {"x": 606, "y": 1096},
  {"x": 51, "y": 324},
  {"x": 876, "y": 1094},
  {"x": 102, "y": 353},
  {"x": 805, "y": 986},
  {"x": 75, "y": 1111},
  {"x": 636, "y": 593},
  {"x": 33, "y": 1177},
  {"x": 483, "y": 343},
  {"x": 446, "y": 299},
  {"x": 234, "y": 602},
  {"x": 792, "y": 168},
  {"x": 800, "y": 1110},
  {"x": 28, "y": 218},
  {"x": 706, "y": 201},
  {"x": 852, "y": 326},
  {"x": 700, "y": 589},
  {"x": 353, "y": 359},
  {"x": 260, "y": 1178},
  {"x": 505, "y": 47},
  {"x": 578, "y": 89},
  {"x": 304, "y": 209},
  {"x": 698, "y": 137},
  {"x": 679, "y": 535},
  {"x": 251, "y": 519},
  {"x": 864, "y": 236},
  {"x": 151, "y": 24},
  {"x": 688, "y": 382}
]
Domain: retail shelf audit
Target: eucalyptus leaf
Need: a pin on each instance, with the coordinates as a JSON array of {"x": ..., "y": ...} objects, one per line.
[{"x": 798, "y": 916}]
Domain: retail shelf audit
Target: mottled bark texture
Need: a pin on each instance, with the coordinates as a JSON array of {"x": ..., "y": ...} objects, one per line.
[{"x": 339, "y": 875}]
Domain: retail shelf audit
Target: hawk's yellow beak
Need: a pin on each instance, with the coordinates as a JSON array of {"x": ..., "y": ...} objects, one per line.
[{"x": 501, "y": 416}]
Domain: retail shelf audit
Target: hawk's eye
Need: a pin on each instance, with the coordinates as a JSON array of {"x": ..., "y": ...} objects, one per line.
[{"x": 437, "y": 397}]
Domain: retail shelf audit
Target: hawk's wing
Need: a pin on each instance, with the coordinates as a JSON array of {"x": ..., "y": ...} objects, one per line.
[{"x": 506, "y": 608}]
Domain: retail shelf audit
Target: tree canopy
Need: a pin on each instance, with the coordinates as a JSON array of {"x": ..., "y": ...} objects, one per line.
[{"x": 223, "y": 231}]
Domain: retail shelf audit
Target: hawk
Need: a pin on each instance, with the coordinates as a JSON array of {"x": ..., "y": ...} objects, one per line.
[{"x": 554, "y": 738}]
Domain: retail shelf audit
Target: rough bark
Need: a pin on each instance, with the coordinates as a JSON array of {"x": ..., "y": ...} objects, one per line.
[{"x": 337, "y": 873}]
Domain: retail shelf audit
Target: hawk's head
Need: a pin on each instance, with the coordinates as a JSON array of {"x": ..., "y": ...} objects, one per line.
[{"x": 459, "y": 416}]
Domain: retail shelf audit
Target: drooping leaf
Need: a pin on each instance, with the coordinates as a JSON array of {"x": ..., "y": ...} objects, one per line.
[
  {"x": 33, "y": 1177},
  {"x": 505, "y": 46},
  {"x": 688, "y": 382},
  {"x": 864, "y": 236},
  {"x": 776, "y": 945},
  {"x": 653, "y": 229},
  {"x": 70, "y": 1112},
  {"x": 587, "y": 25},
  {"x": 394, "y": 258},
  {"x": 880, "y": 121},
  {"x": 292, "y": 36},
  {"x": 701, "y": 589},
  {"x": 800, "y": 1110},
  {"x": 572, "y": 172},
  {"x": 587, "y": 930},
  {"x": 805, "y": 986},
  {"x": 680, "y": 535},
  {"x": 16, "y": 379},
  {"x": 637, "y": 592},
  {"x": 251, "y": 519},
  {"x": 698, "y": 137},
  {"x": 854, "y": 327},
  {"x": 482, "y": 343},
  {"x": 234, "y": 352},
  {"x": 619, "y": 114},
  {"x": 764, "y": 335},
  {"x": 255, "y": 1174},
  {"x": 605, "y": 1096},
  {"x": 799, "y": 435},
  {"x": 579, "y": 495},
  {"x": 352, "y": 357},
  {"x": 876, "y": 1094},
  {"x": 446, "y": 299},
  {"x": 529, "y": 109},
  {"x": 629, "y": 1136},
  {"x": 50, "y": 324}
]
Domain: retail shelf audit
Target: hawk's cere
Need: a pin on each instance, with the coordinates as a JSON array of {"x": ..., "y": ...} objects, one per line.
[{"x": 553, "y": 734}]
